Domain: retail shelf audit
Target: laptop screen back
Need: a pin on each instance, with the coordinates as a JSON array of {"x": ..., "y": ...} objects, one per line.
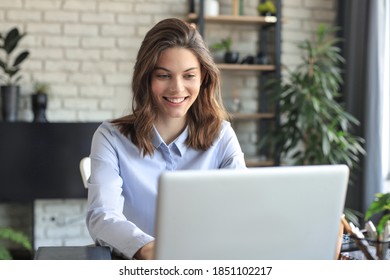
[{"x": 258, "y": 213}]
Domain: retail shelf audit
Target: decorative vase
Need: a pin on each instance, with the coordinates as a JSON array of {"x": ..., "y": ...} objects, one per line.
[
  {"x": 211, "y": 8},
  {"x": 267, "y": 14},
  {"x": 10, "y": 102},
  {"x": 231, "y": 57},
  {"x": 191, "y": 4},
  {"x": 261, "y": 58},
  {"x": 39, "y": 104}
]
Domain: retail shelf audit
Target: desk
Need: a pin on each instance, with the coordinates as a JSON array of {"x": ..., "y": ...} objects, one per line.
[
  {"x": 358, "y": 255},
  {"x": 73, "y": 253},
  {"x": 349, "y": 249}
]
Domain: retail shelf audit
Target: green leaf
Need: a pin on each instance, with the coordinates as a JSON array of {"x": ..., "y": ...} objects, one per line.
[
  {"x": 11, "y": 72},
  {"x": 3, "y": 65},
  {"x": 11, "y": 40},
  {"x": 16, "y": 237},
  {"x": 381, "y": 203},
  {"x": 382, "y": 223},
  {"x": 20, "y": 58},
  {"x": 5, "y": 254},
  {"x": 224, "y": 44},
  {"x": 325, "y": 146},
  {"x": 353, "y": 216},
  {"x": 17, "y": 79}
]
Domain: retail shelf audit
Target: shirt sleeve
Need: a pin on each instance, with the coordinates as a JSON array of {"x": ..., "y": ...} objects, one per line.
[
  {"x": 230, "y": 149},
  {"x": 106, "y": 222}
]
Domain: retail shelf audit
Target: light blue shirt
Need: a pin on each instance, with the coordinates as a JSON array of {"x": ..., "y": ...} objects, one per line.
[{"x": 122, "y": 189}]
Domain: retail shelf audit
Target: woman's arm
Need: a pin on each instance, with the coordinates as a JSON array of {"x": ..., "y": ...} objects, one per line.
[{"x": 106, "y": 222}]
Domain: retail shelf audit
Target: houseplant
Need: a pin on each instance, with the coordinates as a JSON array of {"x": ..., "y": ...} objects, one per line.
[
  {"x": 379, "y": 235},
  {"x": 314, "y": 128},
  {"x": 266, "y": 8},
  {"x": 380, "y": 206},
  {"x": 10, "y": 64},
  {"x": 39, "y": 101},
  {"x": 14, "y": 236},
  {"x": 226, "y": 45}
]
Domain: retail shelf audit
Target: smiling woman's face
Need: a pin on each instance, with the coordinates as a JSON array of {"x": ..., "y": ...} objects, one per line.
[{"x": 175, "y": 83}]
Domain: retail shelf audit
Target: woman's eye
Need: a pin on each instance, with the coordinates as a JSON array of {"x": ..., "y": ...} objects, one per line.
[
  {"x": 189, "y": 76},
  {"x": 162, "y": 76}
]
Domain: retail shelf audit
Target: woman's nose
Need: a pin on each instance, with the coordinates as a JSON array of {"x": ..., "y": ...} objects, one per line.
[{"x": 177, "y": 85}]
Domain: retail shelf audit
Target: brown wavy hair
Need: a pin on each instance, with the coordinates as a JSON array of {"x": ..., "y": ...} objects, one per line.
[{"x": 204, "y": 117}]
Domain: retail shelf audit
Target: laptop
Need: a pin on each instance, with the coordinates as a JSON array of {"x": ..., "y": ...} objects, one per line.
[{"x": 274, "y": 213}]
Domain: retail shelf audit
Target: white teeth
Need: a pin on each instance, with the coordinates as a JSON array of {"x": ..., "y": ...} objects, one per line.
[{"x": 176, "y": 100}]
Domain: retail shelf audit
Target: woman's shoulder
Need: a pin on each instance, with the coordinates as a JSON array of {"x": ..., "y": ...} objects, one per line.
[
  {"x": 108, "y": 129},
  {"x": 226, "y": 130},
  {"x": 110, "y": 132},
  {"x": 107, "y": 125},
  {"x": 226, "y": 126}
]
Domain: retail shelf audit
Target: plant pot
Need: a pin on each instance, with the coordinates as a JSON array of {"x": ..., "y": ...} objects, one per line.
[
  {"x": 211, "y": 8},
  {"x": 262, "y": 59},
  {"x": 267, "y": 14},
  {"x": 231, "y": 57},
  {"x": 10, "y": 102},
  {"x": 39, "y": 104}
]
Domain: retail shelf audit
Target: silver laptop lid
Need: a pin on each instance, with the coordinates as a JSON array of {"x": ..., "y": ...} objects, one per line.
[{"x": 259, "y": 213}]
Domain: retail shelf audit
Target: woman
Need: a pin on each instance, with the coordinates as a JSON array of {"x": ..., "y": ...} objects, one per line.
[{"x": 178, "y": 122}]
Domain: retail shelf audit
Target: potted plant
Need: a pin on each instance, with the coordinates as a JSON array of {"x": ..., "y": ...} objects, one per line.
[
  {"x": 379, "y": 235},
  {"x": 266, "y": 8},
  {"x": 315, "y": 127},
  {"x": 380, "y": 206},
  {"x": 226, "y": 45},
  {"x": 15, "y": 236},
  {"x": 10, "y": 64},
  {"x": 39, "y": 101}
]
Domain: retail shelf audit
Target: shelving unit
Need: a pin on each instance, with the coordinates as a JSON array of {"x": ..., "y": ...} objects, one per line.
[
  {"x": 246, "y": 67},
  {"x": 243, "y": 116},
  {"x": 234, "y": 19},
  {"x": 265, "y": 116}
]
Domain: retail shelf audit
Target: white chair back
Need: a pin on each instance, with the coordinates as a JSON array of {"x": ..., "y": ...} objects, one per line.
[{"x": 85, "y": 170}]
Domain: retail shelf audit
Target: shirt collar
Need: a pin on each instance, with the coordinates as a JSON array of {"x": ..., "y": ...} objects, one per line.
[{"x": 179, "y": 142}]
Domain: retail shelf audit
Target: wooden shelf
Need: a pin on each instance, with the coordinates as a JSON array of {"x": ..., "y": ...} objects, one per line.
[
  {"x": 235, "y": 19},
  {"x": 243, "y": 116},
  {"x": 253, "y": 163},
  {"x": 247, "y": 67}
]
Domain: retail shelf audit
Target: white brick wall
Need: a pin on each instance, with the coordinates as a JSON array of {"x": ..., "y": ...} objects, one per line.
[
  {"x": 17, "y": 216},
  {"x": 60, "y": 223},
  {"x": 82, "y": 43},
  {"x": 301, "y": 17},
  {"x": 86, "y": 49}
]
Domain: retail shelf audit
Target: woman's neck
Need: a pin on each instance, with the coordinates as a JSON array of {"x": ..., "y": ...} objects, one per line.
[{"x": 170, "y": 130}]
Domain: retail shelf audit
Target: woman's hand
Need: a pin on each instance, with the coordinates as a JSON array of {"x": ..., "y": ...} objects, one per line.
[{"x": 146, "y": 252}]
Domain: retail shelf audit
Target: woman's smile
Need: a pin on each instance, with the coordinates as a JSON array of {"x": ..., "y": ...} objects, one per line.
[{"x": 175, "y": 100}]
